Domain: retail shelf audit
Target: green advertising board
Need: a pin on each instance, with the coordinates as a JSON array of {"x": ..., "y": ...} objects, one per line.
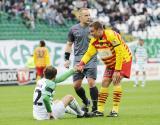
[{"x": 153, "y": 48}]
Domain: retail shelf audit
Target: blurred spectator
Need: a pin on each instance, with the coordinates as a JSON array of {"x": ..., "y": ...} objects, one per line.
[
  {"x": 128, "y": 16},
  {"x": 51, "y": 15},
  {"x": 28, "y": 18},
  {"x": 59, "y": 18},
  {"x": 1, "y": 8},
  {"x": 41, "y": 14},
  {"x": 1, "y": 5}
]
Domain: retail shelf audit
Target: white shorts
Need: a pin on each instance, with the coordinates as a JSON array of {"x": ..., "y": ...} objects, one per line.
[
  {"x": 58, "y": 110},
  {"x": 140, "y": 67},
  {"x": 40, "y": 113}
]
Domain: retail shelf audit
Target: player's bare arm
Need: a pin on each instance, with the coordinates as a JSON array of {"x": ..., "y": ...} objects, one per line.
[{"x": 68, "y": 50}]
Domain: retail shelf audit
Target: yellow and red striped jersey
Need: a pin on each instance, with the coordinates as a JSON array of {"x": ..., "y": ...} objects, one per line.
[
  {"x": 41, "y": 57},
  {"x": 111, "y": 48}
]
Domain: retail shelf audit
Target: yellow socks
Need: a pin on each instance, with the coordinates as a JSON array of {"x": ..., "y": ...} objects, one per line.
[
  {"x": 117, "y": 93},
  {"x": 103, "y": 94},
  {"x": 102, "y": 97}
]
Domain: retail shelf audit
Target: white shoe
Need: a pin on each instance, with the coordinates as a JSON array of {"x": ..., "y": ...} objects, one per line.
[
  {"x": 135, "y": 85},
  {"x": 142, "y": 85}
]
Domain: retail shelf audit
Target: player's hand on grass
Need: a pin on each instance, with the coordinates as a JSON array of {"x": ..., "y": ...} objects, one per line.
[
  {"x": 67, "y": 63},
  {"x": 50, "y": 115}
]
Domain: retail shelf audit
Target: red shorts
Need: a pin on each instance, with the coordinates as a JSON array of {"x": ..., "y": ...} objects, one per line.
[
  {"x": 125, "y": 72},
  {"x": 40, "y": 70}
]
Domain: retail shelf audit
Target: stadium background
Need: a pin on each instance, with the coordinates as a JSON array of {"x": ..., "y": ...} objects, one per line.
[{"x": 24, "y": 22}]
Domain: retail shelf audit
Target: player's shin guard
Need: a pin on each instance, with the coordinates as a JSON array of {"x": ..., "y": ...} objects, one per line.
[
  {"x": 94, "y": 97},
  {"x": 69, "y": 110},
  {"x": 117, "y": 93},
  {"x": 103, "y": 94},
  {"x": 75, "y": 106},
  {"x": 81, "y": 93}
]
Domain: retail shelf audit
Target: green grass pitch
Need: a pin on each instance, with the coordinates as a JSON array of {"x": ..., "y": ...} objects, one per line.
[{"x": 139, "y": 106}]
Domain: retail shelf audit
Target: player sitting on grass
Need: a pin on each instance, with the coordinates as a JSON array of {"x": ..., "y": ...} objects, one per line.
[{"x": 43, "y": 105}]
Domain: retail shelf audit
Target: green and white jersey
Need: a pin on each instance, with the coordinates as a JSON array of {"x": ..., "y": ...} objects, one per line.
[
  {"x": 44, "y": 93},
  {"x": 43, "y": 87},
  {"x": 140, "y": 55}
]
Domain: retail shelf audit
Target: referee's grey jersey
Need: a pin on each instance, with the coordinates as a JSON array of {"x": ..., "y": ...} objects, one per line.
[{"x": 80, "y": 37}]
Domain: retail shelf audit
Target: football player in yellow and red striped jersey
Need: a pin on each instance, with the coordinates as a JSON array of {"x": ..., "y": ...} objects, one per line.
[
  {"x": 41, "y": 58},
  {"x": 117, "y": 57}
]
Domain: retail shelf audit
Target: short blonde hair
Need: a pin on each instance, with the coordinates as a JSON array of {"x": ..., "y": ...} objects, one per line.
[{"x": 80, "y": 11}]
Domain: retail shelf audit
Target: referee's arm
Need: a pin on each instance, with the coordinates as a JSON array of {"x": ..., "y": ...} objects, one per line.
[{"x": 68, "y": 50}]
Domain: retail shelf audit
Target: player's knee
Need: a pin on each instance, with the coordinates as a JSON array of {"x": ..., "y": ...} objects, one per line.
[
  {"x": 70, "y": 97},
  {"x": 106, "y": 82},
  {"x": 77, "y": 86},
  {"x": 91, "y": 82},
  {"x": 117, "y": 83}
]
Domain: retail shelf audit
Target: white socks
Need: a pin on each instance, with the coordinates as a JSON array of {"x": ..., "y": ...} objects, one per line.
[
  {"x": 70, "y": 111},
  {"x": 75, "y": 106},
  {"x": 137, "y": 79}
]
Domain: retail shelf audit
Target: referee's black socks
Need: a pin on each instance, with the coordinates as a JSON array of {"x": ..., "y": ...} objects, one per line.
[
  {"x": 81, "y": 93},
  {"x": 94, "y": 97}
]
